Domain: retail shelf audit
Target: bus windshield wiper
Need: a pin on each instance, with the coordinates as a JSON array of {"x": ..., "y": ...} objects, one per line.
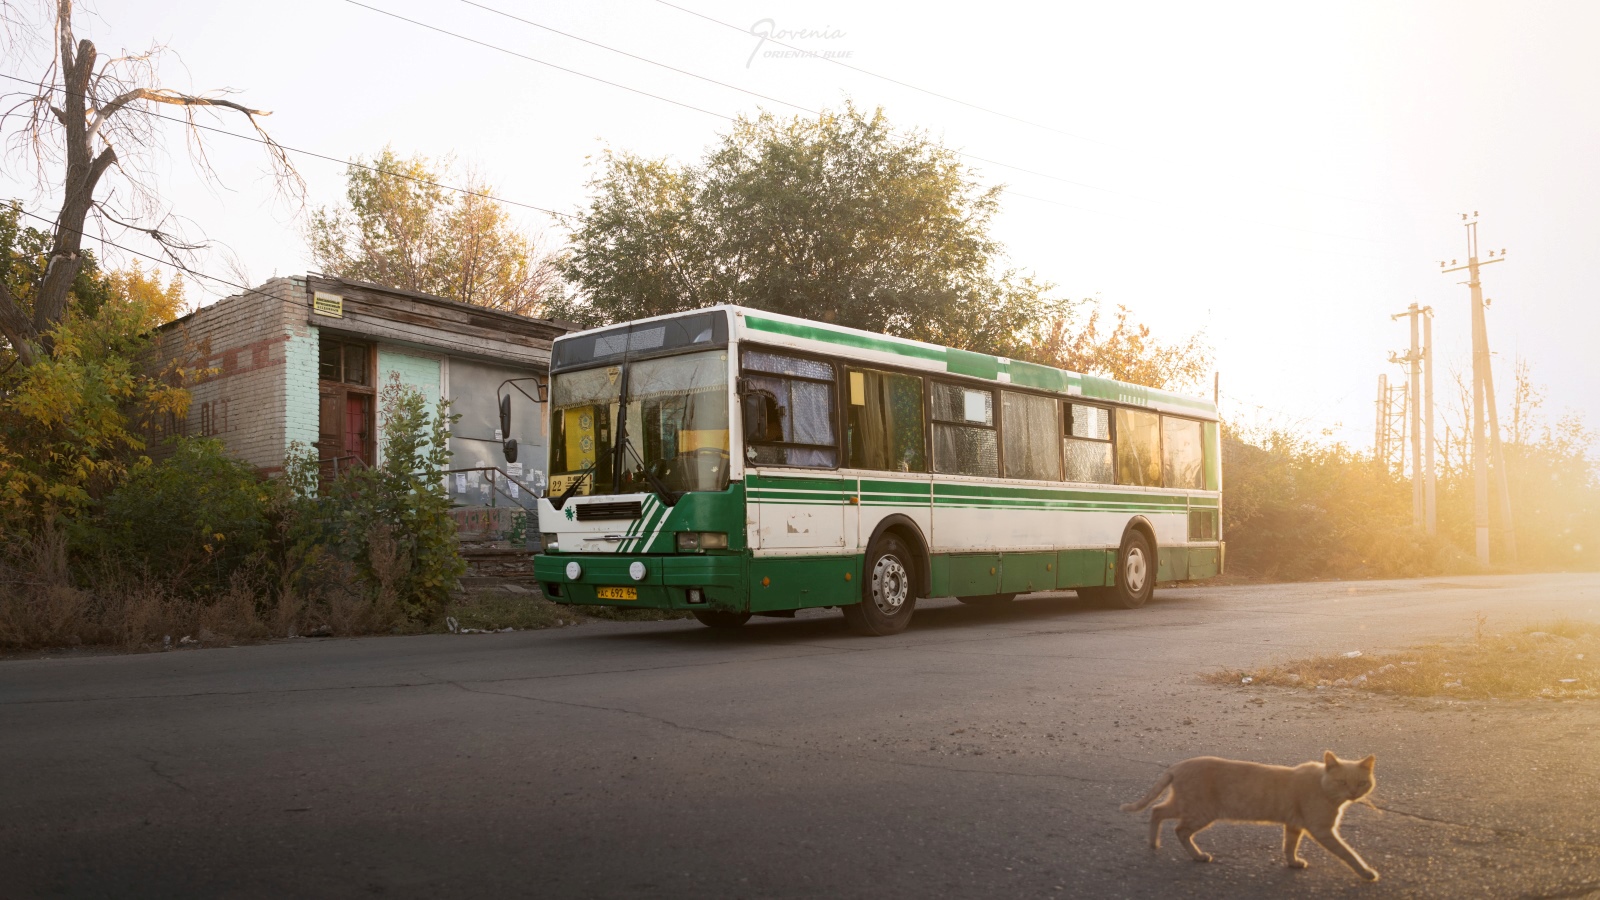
[{"x": 668, "y": 496}]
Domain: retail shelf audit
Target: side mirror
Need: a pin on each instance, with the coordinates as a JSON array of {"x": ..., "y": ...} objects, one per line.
[
  {"x": 510, "y": 448},
  {"x": 505, "y": 416}
]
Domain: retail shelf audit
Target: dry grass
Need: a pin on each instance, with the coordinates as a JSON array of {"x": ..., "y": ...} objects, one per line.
[
  {"x": 1556, "y": 661},
  {"x": 42, "y": 606}
]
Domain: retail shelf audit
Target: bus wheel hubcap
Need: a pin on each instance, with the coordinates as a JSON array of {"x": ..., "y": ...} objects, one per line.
[
  {"x": 1135, "y": 570},
  {"x": 890, "y": 585}
]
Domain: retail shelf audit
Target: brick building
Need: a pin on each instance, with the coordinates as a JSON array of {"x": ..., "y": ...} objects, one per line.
[{"x": 301, "y": 360}]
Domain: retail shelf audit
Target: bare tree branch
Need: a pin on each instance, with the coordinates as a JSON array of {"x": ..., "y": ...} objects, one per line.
[{"x": 75, "y": 134}]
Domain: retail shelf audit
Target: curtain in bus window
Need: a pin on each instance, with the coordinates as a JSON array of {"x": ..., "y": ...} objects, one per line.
[
  {"x": 804, "y": 401},
  {"x": 1031, "y": 436},
  {"x": 883, "y": 422},
  {"x": 964, "y": 440},
  {"x": 1138, "y": 448},
  {"x": 1181, "y": 457}
]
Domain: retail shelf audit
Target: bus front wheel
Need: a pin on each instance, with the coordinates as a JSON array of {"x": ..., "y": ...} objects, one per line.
[
  {"x": 718, "y": 619},
  {"x": 1136, "y": 573},
  {"x": 888, "y": 593}
]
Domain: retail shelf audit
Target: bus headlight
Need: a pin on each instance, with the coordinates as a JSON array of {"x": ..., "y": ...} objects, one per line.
[
  {"x": 574, "y": 571},
  {"x": 547, "y": 540},
  {"x": 690, "y": 541}
]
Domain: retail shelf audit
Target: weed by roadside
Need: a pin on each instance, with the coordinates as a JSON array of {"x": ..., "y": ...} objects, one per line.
[{"x": 1554, "y": 661}]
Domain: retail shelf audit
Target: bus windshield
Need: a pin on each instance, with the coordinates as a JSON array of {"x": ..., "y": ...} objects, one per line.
[{"x": 676, "y": 426}]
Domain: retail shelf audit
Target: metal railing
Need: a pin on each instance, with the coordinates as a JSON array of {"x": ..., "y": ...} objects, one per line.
[
  {"x": 329, "y": 466},
  {"x": 490, "y": 486}
]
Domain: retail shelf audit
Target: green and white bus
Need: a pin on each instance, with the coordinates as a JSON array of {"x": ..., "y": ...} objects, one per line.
[{"x": 733, "y": 462}]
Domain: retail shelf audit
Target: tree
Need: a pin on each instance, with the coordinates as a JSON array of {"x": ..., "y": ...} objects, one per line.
[
  {"x": 96, "y": 119},
  {"x": 1127, "y": 352},
  {"x": 401, "y": 228},
  {"x": 837, "y": 218}
]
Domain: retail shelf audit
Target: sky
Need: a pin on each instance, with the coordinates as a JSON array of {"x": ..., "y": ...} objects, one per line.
[{"x": 1279, "y": 177}]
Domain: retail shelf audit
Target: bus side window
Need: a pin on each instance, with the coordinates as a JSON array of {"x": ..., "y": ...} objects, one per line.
[
  {"x": 1138, "y": 440},
  {"x": 1087, "y": 447},
  {"x": 794, "y": 396},
  {"x": 964, "y": 441},
  {"x": 1032, "y": 432},
  {"x": 883, "y": 422},
  {"x": 1181, "y": 456}
]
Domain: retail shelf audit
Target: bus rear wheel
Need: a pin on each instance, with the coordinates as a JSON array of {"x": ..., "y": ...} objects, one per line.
[
  {"x": 888, "y": 592},
  {"x": 1136, "y": 573},
  {"x": 712, "y": 618}
]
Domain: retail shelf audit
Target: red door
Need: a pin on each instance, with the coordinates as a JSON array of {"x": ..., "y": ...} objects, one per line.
[{"x": 357, "y": 407}]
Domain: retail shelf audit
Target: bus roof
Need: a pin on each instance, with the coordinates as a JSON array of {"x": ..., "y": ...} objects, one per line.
[{"x": 822, "y": 338}]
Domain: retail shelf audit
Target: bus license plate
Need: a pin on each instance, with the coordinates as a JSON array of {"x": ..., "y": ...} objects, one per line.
[{"x": 617, "y": 593}]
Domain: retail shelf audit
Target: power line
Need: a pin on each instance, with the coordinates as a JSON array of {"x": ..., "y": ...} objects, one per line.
[
  {"x": 760, "y": 96},
  {"x": 533, "y": 59},
  {"x": 969, "y": 156},
  {"x": 904, "y": 84},
  {"x": 956, "y": 100},
  {"x": 155, "y": 259},
  {"x": 635, "y": 56},
  {"x": 311, "y": 153}
]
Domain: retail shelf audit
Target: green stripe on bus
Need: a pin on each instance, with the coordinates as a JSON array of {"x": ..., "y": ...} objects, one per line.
[
  {"x": 976, "y": 365},
  {"x": 845, "y": 339}
]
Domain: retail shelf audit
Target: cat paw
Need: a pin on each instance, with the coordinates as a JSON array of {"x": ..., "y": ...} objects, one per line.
[
  {"x": 1370, "y": 875},
  {"x": 1298, "y": 863},
  {"x": 1206, "y": 857}
]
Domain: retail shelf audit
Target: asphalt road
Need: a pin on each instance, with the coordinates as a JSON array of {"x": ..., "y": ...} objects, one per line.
[{"x": 983, "y": 753}]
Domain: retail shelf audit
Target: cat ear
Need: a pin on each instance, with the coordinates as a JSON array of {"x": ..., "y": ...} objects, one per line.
[
  {"x": 1329, "y": 760},
  {"x": 1368, "y": 762}
]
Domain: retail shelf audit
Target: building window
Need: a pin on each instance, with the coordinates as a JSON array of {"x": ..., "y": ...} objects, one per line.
[
  {"x": 1138, "y": 440},
  {"x": 344, "y": 362},
  {"x": 347, "y": 405},
  {"x": 1032, "y": 433},
  {"x": 1087, "y": 447},
  {"x": 964, "y": 440},
  {"x": 798, "y": 396},
  {"x": 883, "y": 422}
]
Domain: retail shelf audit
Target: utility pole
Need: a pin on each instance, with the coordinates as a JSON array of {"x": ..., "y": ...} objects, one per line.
[
  {"x": 1430, "y": 498},
  {"x": 1424, "y": 511},
  {"x": 1483, "y": 390}
]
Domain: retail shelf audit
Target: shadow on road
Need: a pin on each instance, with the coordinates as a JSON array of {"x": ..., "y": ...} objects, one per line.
[{"x": 938, "y": 614}]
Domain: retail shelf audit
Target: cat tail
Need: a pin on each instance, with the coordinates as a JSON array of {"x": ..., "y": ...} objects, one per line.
[{"x": 1161, "y": 787}]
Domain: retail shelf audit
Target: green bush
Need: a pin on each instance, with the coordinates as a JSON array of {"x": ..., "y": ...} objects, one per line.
[
  {"x": 390, "y": 521},
  {"x": 191, "y": 519}
]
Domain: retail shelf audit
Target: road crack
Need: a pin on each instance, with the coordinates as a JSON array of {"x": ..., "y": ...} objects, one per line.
[
  {"x": 155, "y": 769},
  {"x": 1496, "y": 830}
]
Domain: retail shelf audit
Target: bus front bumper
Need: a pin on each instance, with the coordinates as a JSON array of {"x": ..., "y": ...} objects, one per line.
[{"x": 686, "y": 581}]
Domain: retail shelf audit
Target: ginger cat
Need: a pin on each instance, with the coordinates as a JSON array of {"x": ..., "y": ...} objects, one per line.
[{"x": 1309, "y": 797}]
